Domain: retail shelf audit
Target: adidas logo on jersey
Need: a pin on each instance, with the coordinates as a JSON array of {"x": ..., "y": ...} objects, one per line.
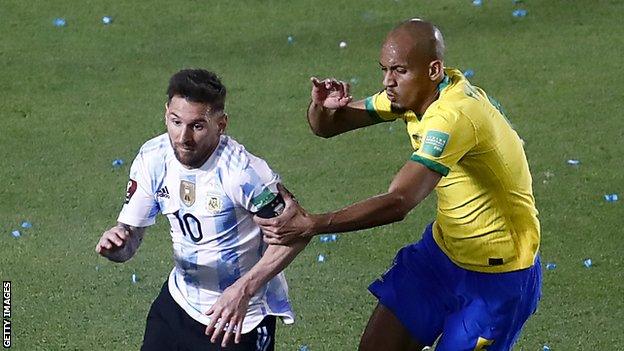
[{"x": 164, "y": 192}]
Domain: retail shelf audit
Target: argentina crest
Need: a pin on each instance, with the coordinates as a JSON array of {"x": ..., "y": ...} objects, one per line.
[
  {"x": 214, "y": 204},
  {"x": 187, "y": 192}
]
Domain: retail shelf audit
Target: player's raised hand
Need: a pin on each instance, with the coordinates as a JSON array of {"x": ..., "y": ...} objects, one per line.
[
  {"x": 112, "y": 241},
  {"x": 330, "y": 93},
  {"x": 227, "y": 315},
  {"x": 293, "y": 224}
]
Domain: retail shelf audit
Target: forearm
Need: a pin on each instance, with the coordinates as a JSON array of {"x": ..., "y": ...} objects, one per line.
[
  {"x": 320, "y": 119},
  {"x": 412, "y": 184},
  {"x": 326, "y": 122},
  {"x": 375, "y": 211},
  {"x": 275, "y": 259},
  {"x": 130, "y": 247}
]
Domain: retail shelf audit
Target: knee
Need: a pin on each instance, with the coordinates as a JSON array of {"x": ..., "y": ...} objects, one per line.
[
  {"x": 374, "y": 340},
  {"x": 366, "y": 344}
]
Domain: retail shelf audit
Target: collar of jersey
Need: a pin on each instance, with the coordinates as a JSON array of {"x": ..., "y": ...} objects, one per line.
[{"x": 444, "y": 83}]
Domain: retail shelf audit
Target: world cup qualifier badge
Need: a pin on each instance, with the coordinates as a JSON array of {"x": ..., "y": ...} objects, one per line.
[
  {"x": 187, "y": 192},
  {"x": 130, "y": 190}
]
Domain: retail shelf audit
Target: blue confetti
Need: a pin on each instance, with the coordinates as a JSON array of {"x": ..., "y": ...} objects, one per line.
[
  {"x": 588, "y": 263},
  {"x": 321, "y": 258},
  {"x": 107, "y": 20},
  {"x": 118, "y": 162},
  {"x": 16, "y": 233},
  {"x": 519, "y": 13},
  {"x": 546, "y": 348},
  {"x": 611, "y": 197},
  {"x": 328, "y": 238},
  {"x": 135, "y": 279},
  {"x": 26, "y": 225},
  {"x": 469, "y": 73},
  {"x": 573, "y": 162},
  {"x": 291, "y": 39},
  {"x": 551, "y": 266},
  {"x": 354, "y": 80},
  {"x": 59, "y": 22},
  {"x": 477, "y": 2},
  {"x": 304, "y": 348}
]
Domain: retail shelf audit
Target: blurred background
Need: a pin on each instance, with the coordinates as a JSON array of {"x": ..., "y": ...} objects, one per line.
[{"x": 81, "y": 93}]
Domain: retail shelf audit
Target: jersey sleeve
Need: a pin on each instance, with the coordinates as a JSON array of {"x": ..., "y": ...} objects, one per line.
[
  {"x": 255, "y": 186},
  {"x": 446, "y": 140},
  {"x": 140, "y": 207},
  {"x": 379, "y": 108}
]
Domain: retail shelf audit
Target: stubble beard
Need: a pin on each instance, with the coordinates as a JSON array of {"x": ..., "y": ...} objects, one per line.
[
  {"x": 193, "y": 159},
  {"x": 397, "y": 108}
]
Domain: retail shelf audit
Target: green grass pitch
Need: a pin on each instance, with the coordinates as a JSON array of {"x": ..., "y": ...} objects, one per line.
[{"x": 75, "y": 98}]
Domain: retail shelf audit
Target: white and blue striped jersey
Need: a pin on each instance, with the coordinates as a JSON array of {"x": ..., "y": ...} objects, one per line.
[{"x": 210, "y": 210}]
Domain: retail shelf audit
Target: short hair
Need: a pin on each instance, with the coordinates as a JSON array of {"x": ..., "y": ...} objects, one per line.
[
  {"x": 429, "y": 37},
  {"x": 198, "y": 85}
]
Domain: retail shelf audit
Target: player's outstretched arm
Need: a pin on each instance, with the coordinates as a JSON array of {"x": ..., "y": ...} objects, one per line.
[
  {"x": 230, "y": 309},
  {"x": 410, "y": 186},
  {"x": 120, "y": 242},
  {"x": 332, "y": 110}
]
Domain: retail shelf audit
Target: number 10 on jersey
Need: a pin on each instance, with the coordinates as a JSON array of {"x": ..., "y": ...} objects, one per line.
[{"x": 185, "y": 226}]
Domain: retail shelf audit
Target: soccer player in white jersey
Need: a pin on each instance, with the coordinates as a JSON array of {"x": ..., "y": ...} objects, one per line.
[{"x": 226, "y": 282}]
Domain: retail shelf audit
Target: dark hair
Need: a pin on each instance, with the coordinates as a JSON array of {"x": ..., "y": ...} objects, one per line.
[{"x": 198, "y": 85}]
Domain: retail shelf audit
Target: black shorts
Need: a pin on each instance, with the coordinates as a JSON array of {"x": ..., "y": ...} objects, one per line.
[{"x": 170, "y": 328}]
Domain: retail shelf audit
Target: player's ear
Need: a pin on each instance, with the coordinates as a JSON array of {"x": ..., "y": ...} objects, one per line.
[
  {"x": 222, "y": 123},
  {"x": 166, "y": 112},
  {"x": 436, "y": 70}
]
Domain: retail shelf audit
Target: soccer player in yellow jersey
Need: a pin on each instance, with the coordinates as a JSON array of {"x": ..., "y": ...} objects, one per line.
[{"x": 474, "y": 278}]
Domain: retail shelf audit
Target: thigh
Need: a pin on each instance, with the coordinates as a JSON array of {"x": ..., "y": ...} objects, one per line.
[
  {"x": 495, "y": 312},
  {"x": 160, "y": 334},
  {"x": 418, "y": 289},
  {"x": 261, "y": 338},
  {"x": 385, "y": 332}
]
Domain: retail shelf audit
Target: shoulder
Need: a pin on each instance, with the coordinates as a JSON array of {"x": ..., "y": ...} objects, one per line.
[
  {"x": 154, "y": 155},
  {"x": 233, "y": 156},
  {"x": 156, "y": 146},
  {"x": 459, "y": 101},
  {"x": 238, "y": 164}
]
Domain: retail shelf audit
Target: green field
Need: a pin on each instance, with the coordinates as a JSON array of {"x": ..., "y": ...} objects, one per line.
[{"x": 75, "y": 98}]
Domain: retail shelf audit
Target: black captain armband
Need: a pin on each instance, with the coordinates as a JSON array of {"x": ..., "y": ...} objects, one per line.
[{"x": 273, "y": 208}]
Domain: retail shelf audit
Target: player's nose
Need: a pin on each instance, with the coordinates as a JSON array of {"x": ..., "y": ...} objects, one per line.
[
  {"x": 388, "y": 79},
  {"x": 185, "y": 135}
]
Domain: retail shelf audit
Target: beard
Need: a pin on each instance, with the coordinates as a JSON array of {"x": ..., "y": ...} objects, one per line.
[
  {"x": 192, "y": 159},
  {"x": 397, "y": 108}
]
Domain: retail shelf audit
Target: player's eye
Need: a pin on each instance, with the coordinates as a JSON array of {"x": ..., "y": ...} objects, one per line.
[
  {"x": 401, "y": 70},
  {"x": 198, "y": 126},
  {"x": 176, "y": 122}
]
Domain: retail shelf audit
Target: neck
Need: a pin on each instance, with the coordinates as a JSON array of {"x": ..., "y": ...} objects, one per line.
[
  {"x": 433, "y": 95},
  {"x": 430, "y": 99}
]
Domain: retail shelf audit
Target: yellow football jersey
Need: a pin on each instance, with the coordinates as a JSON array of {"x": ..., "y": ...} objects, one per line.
[{"x": 486, "y": 217}]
